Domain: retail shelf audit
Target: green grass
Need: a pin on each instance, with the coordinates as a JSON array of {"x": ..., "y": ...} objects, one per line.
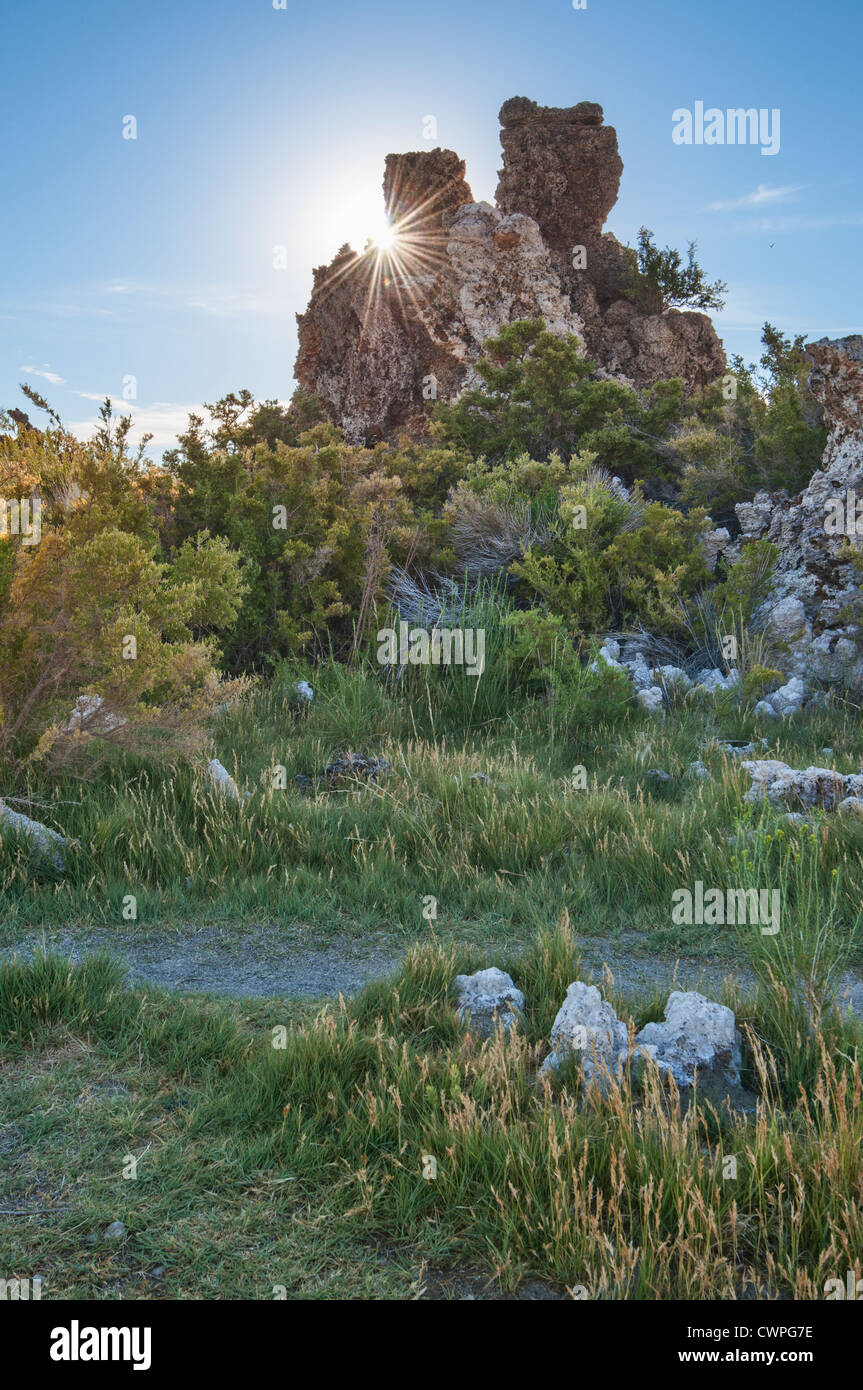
[
  {"x": 301, "y": 1167},
  {"x": 503, "y": 858}
]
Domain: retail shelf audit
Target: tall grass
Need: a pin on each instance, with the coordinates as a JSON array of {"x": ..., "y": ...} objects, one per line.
[{"x": 384, "y": 1115}]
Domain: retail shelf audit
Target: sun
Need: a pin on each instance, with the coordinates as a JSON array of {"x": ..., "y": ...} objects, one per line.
[
  {"x": 386, "y": 239},
  {"x": 382, "y": 236}
]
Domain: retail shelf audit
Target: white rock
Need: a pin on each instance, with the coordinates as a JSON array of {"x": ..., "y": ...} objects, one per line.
[
  {"x": 789, "y": 698},
  {"x": 814, "y": 786},
  {"x": 755, "y": 516},
  {"x": 48, "y": 844},
  {"x": 852, "y": 805},
  {"x": 86, "y": 715},
  {"x": 651, "y": 699},
  {"x": 671, "y": 678},
  {"x": 716, "y": 680},
  {"x": 786, "y": 620},
  {"x": 486, "y": 997},
  {"x": 304, "y": 690},
  {"x": 698, "y": 1035},
  {"x": 609, "y": 658},
  {"x": 639, "y": 672},
  {"x": 700, "y": 770},
  {"x": 589, "y": 1028},
  {"x": 221, "y": 778},
  {"x": 766, "y": 710}
]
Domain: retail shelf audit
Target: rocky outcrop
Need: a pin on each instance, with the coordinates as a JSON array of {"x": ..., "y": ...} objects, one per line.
[
  {"x": 821, "y": 788},
  {"x": 386, "y": 334},
  {"x": 562, "y": 167},
  {"x": 45, "y": 844},
  {"x": 486, "y": 998},
  {"x": 587, "y": 1028},
  {"x": 697, "y": 1041},
  {"x": 812, "y": 613}
]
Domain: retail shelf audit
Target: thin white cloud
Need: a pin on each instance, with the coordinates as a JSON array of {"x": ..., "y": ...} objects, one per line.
[
  {"x": 220, "y": 301},
  {"x": 758, "y": 198},
  {"x": 802, "y": 223},
  {"x": 54, "y": 379},
  {"x": 165, "y": 420}
]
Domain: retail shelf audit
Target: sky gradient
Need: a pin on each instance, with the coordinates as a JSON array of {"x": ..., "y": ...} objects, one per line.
[{"x": 260, "y": 127}]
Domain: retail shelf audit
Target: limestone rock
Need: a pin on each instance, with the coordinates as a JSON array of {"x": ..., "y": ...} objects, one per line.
[
  {"x": 671, "y": 678},
  {"x": 486, "y": 997},
  {"x": 711, "y": 681},
  {"x": 821, "y": 787},
  {"x": 789, "y": 698},
  {"x": 222, "y": 779},
  {"x": 561, "y": 165},
  {"x": 651, "y": 699},
  {"x": 90, "y": 715},
  {"x": 698, "y": 1037},
  {"x": 47, "y": 844},
  {"x": 385, "y": 335},
  {"x": 815, "y": 583},
  {"x": 713, "y": 544},
  {"x": 588, "y": 1027},
  {"x": 382, "y": 339}
]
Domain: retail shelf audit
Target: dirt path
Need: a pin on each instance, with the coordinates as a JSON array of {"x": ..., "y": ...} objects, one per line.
[{"x": 268, "y": 962}]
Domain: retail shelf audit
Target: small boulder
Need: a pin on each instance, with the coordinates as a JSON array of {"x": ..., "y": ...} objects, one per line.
[
  {"x": 698, "y": 1036},
  {"x": 783, "y": 785},
  {"x": 588, "y": 1027},
  {"x": 486, "y": 998},
  {"x": 222, "y": 779},
  {"x": 671, "y": 678},
  {"x": 789, "y": 698},
  {"x": 651, "y": 699},
  {"x": 46, "y": 844}
]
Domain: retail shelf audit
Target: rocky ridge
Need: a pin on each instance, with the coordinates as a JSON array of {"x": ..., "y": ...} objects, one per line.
[{"x": 385, "y": 335}]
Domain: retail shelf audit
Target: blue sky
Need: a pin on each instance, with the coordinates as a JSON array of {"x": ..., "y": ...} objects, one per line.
[{"x": 257, "y": 127}]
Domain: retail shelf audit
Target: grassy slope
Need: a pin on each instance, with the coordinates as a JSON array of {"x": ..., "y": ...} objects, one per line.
[
  {"x": 302, "y": 1167},
  {"x": 502, "y": 858}
]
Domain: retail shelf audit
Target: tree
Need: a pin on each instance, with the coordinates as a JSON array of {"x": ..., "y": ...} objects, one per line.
[
  {"x": 540, "y": 396},
  {"x": 661, "y": 278}
]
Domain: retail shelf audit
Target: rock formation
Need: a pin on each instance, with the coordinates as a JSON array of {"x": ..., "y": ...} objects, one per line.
[
  {"x": 820, "y": 787},
  {"x": 486, "y": 998},
  {"x": 386, "y": 334},
  {"x": 813, "y": 611},
  {"x": 561, "y": 166}
]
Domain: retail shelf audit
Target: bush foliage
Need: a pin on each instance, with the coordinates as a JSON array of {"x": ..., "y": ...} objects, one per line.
[{"x": 264, "y": 536}]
